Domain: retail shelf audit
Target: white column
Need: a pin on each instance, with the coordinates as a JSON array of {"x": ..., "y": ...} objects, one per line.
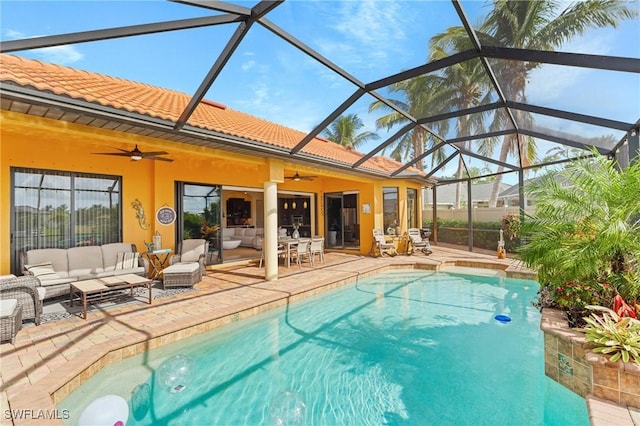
[{"x": 270, "y": 231}]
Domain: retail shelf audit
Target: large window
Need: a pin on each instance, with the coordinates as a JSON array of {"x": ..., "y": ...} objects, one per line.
[
  {"x": 412, "y": 208},
  {"x": 62, "y": 210},
  {"x": 390, "y": 207}
]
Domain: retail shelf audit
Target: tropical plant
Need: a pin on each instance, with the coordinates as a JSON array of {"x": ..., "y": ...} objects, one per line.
[
  {"x": 586, "y": 228},
  {"x": 539, "y": 25},
  {"x": 613, "y": 335},
  {"x": 344, "y": 131}
]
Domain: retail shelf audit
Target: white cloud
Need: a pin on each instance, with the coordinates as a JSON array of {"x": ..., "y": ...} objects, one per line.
[
  {"x": 248, "y": 65},
  {"x": 364, "y": 33},
  {"x": 63, "y": 55}
]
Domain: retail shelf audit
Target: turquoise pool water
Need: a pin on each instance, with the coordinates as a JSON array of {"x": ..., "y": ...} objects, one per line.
[{"x": 401, "y": 348}]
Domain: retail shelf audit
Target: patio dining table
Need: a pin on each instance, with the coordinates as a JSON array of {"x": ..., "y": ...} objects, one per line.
[{"x": 287, "y": 243}]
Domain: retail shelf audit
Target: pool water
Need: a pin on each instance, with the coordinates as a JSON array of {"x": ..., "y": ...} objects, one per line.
[{"x": 400, "y": 348}]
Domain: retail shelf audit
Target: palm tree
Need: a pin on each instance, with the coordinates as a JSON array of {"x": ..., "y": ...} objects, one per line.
[
  {"x": 344, "y": 131},
  {"x": 539, "y": 25},
  {"x": 420, "y": 96},
  {"x": 470, "y": 87}
]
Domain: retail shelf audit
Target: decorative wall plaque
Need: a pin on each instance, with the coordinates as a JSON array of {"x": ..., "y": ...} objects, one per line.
[{"x": 166, "y": 215}]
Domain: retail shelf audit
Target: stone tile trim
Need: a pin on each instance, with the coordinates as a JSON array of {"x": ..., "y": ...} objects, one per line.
[{"x": 609, "y": 388}]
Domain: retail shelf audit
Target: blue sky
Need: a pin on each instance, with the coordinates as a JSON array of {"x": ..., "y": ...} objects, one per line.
[{"x": 270, "y": 79}]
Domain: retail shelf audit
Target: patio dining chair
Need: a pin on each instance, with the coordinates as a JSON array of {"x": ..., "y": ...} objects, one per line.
[
  {"x": 317, "y": 248},
  {"x": 302, "y": 251},
  {"x": 380, "y": 245},
  {"x": 281, "y": 253}
]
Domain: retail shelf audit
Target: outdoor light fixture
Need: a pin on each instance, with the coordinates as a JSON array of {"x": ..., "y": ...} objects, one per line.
[
  {"x": 293, "y": 205},
  {"x": 136, "y": 154}
]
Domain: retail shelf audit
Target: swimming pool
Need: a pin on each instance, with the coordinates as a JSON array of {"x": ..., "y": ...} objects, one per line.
[{"x": 404, "y": 347}]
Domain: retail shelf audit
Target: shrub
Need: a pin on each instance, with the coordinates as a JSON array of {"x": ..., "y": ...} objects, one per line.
[{"x": 586, "y": 229}]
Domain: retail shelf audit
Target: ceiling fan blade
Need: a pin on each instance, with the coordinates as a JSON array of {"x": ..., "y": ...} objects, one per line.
[
  {"x": 152, "y": 154},
  {"x": 119, "y": 154},
  {"x": 157, "y": 159}
]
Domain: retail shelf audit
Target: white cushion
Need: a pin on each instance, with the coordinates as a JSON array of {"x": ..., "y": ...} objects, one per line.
[
  {"x": 42, "y": 271},
  {"x": 250, "y": 232},
  {"x": 191, "y": 250},
  {"x": 57, "y": 257},
  {"x": 7, "y": 306},
  {"x": 181, "y": 268},
  {"x": 126, "y": 260},
  {"x": 228, "y": 232},
  {"x": 85, "y": 261},
  {"x": 110, "y": 254}
]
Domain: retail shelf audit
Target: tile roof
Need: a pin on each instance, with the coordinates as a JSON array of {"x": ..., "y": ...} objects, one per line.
[{"x": 168, "y": 104}]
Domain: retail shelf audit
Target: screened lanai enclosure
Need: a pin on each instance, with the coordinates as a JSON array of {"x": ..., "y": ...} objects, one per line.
[{"x": 482, "y": 97}]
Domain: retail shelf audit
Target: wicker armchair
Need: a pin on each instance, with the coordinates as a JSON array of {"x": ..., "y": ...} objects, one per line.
[
  {"x": 24, "y": 290},
  {"x": 192, "y": 250}
]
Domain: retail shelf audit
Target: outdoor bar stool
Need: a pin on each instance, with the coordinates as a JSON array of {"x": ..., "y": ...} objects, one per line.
[{"x": 10, "y": 319}]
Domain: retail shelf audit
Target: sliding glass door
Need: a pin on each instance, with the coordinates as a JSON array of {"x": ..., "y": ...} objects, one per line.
[
  {"x": 200, "y": 216},
  {"x": 342, "y": 224}
]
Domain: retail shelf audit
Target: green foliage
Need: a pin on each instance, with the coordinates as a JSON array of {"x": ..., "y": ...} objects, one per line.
[
  {"x": 586, "y": 227},
  {"x": 485, "y": 234},
  {"x": 574, "y": 298},
  {"x": 511, "y": 226},
  {"x": 613, "y": 335}
]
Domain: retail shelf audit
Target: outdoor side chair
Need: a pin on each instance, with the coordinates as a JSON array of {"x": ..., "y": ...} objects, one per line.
[
  {"x": 418, "y": 242},
  {"x": 380, "y": 245}
]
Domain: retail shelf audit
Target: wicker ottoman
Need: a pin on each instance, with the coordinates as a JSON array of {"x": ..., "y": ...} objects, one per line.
[
  {"x": 181, "y": 275},
  {"x": 10, "y": 319}
]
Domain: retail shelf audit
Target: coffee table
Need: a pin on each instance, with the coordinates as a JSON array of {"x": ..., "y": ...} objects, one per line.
[
  {"x": 231, "y": 243},
  {"x": 102, "y": 289}
]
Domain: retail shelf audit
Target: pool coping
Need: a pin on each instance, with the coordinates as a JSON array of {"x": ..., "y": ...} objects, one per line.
[{"x": 54, "y": 387}]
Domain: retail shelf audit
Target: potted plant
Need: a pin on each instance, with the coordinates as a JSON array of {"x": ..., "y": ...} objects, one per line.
[{"x": 209, "y": 232}]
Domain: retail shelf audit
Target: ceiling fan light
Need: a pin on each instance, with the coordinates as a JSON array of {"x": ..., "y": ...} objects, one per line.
[
  {"x": 136, "y": 155},
  {"x": 296, "y": 178}
]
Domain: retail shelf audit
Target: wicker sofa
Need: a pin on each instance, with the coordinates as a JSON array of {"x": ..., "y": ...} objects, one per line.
[
  {"x": 56, "y": 268},
  {"x": 27, "y": 292}
]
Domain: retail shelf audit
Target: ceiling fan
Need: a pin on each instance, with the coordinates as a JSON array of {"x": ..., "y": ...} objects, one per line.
[
  {"x": 298, "y": 178},
  {"x": 137, "y": 155}
]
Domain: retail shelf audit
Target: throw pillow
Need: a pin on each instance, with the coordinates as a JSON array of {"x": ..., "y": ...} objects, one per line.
[
  {"x": 42, "y": 270},
  {"x": 127, "y": 260}
]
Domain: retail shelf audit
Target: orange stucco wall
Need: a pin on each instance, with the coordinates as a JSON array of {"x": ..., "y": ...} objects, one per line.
[{"x": 33, "y": 142}]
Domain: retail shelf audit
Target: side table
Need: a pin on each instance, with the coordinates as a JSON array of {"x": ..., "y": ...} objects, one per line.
[
  {"x": 10, "y": 319},
  {"x": 158, "y": 260}
]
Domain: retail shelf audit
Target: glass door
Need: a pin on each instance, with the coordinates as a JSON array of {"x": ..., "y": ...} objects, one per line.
[
  {"x": 200, "y": 216},
  {"x": 342, "y": 227}
]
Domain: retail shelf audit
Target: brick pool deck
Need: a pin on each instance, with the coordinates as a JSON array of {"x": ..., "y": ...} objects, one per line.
[{"x": 48, "y": 362}]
